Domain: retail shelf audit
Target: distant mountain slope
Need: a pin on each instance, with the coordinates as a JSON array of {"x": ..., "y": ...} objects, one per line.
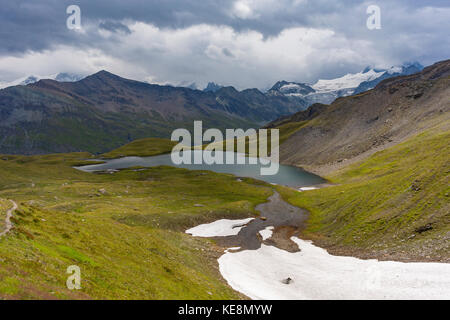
[
  {"x": 326, "y": 91},
  {"x": 405, "y": 70},
  {"x": 353, "y": 126},
  {"x": 61, "y": 77},
  {"x": 104, "y": 111},
  {"x": 304, "y": 115},
  {"x": 212, "y": 87}
]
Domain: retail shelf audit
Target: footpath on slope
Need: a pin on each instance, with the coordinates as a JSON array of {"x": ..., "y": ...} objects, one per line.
[{"x": 8, "y": 223}]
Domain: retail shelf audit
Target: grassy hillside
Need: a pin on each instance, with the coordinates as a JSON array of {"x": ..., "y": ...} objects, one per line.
[
  {"x": 285, "y": 131},
  {"x": 142, "y": 148},
  {"x": 125, "y": 230},
  {"x": 288, "y": 129},
  {"x": 395, "y": 203}
]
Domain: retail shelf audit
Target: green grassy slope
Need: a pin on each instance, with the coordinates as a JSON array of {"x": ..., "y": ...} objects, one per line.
[
  {"x": 285, "y": 131},
  {"x": 385, "y": 204},
  {"x": 142, "y": 148},
  {"x": 288, "y": 129},
  {"x": 125, "y": 230}
]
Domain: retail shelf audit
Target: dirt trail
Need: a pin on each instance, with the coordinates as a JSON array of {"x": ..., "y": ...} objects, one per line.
[
  {"x": 8, "y": 222},
  {"x": 286, "y": 219}
]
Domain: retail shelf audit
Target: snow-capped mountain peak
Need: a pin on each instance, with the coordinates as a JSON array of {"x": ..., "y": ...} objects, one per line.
[
  {"x": 348, "y": 81},
  {"x": 291, "y": 88},
  {"x": 393, "y": 70},
  {"x": 61, "y": 77},
  {"x": 327, "y": 90}
]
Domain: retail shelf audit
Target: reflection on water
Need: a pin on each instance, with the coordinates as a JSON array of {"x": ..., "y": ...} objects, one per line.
[{"x": 287, "y": 175}]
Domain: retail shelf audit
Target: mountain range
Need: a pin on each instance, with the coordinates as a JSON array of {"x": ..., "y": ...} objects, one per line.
[
  {"x": 66, "y": 112},
  {"x": 326, "y": 91},
  {"x": 103, "y": 111},
  {"x": 61, "y": 77}
]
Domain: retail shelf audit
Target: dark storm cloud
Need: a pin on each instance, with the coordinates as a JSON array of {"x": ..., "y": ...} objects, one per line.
[
  {"x": 227, "y": 52},
  {"x": 411, "y": 30},
  {"x": 36, "y": 25},
  {"x": 114, "y": 26}
]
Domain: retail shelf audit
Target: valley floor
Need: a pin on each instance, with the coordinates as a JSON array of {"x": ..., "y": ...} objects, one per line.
[{"x": 126, "y": 230}]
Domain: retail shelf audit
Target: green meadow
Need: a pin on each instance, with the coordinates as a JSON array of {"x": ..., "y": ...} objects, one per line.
[
  {"x": 124, "y": 230},
  {"x": 396, "y": 201}
]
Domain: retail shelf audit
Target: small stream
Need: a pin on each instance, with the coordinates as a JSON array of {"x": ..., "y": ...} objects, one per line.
[{"x": 280, "y": 265}]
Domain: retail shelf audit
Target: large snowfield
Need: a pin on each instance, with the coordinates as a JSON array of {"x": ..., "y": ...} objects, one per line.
[
  {"x": 347, "y": 81},
  {"x": 312, "y": 273},
  {"x": 315, "y": 274}
]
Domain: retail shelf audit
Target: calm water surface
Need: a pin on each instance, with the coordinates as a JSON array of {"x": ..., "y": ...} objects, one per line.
[{"x": 287, "y": 175}]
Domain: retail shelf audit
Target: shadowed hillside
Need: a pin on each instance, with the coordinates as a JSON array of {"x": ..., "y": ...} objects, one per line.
[
  {"x": 104, "y": 111},
  {"x": 354, "y": 127}
]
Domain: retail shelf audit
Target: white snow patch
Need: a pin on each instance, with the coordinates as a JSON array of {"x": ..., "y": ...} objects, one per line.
[
  {"x": 307, "y": 188},
  {"x": 316, "y": 274},
  {"x": 219, "y": 228},
  {"x": 266, "y": 233},
  {"x": 346, "y": 82},
  {"x": 290, "y": 86},
  {"x": 295, "y": 95},
  {"x": 393, "y": 70}
]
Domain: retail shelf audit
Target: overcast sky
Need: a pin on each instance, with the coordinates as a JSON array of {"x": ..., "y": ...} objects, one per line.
[{"x": 245, "y": 43}]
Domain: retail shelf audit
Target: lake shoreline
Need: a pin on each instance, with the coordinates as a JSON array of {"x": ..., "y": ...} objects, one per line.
[{"x": 288, "y": 176}]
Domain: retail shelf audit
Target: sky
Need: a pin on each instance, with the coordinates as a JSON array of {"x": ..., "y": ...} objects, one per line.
[{"x": 244, "y": 43}]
